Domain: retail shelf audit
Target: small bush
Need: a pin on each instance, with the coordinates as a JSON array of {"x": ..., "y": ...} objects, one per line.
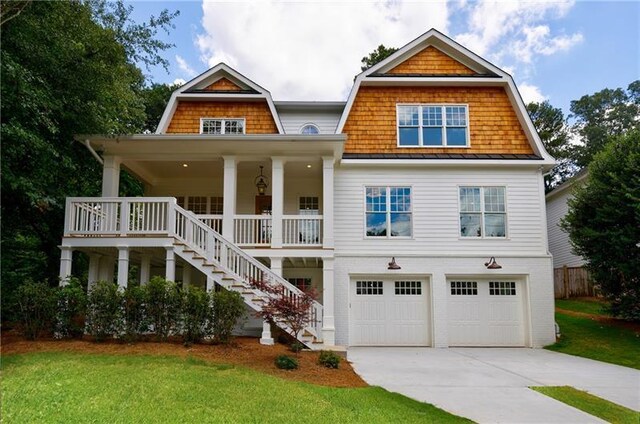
[
  {"x": 228, "y": 309},
  {"x": 196, "y": 310},
  {"x": 285, "y": 362},
  {"x": 136, "y": 321},
  {"x": 104, "y": 311},
  {"x": 296, "y": 347},
  {"x": 329, "y": 359},
  {"x": 71, "y": 307},
  {"x": 35, "y": 307},
  {"x": 164, "y": 302}
]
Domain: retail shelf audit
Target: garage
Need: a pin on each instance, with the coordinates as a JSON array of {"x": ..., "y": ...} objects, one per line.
[
  {"x": 485, "y": 312},
  {"x": 390, "y": 312}
]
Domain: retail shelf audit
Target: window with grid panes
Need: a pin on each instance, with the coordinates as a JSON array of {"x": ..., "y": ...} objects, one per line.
[
  {"x": 483, "y": 212},
  {"x": 222, "y": 126},
  {"x": 197, "y": 204},
  {"x": 432, "y": 125},
  {"x": 309, "y": 203},
  {"x": 464, "y": 288},
  {"x": 388, "y": 211},
  {"x": 408, "y": 287},
  {"x": 502, "y": 288},
  {"x": 303, "y": 283},
  {"x": 369, "y": 288},
  {"x": 216, "y": 205}
]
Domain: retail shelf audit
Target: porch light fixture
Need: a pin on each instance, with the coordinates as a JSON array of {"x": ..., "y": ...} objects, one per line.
[
  {"x": 184, "y": 165},
  {"x": 492, "y": 264},
  {"x": 261, "y": 182},
  {"x": 308, "y": 166},
  {"x": 393, "y": 264}
]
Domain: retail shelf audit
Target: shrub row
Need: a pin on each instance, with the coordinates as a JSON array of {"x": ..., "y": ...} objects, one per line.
[{"x": 159, "y": 307}]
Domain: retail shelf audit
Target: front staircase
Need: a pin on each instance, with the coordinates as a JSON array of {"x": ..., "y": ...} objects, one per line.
[{"x": 195, "y": 242}]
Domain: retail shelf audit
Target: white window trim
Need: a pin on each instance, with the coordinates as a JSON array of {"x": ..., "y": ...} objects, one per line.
[
  {"x": 223, "y": 121},
  {"x": 308, "y": 124},
  {"x": 208, "y": 196},
  {"x": 482, "y": 212},
  {"x": 388, "y": 213},
  {"x": 420, "y": 126}
]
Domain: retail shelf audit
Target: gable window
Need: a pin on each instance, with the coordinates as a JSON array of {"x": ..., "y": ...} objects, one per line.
[
  {"x": 309, "y": 129},
  {"x": 433, "y": 126},
  {"x": 483, "y": 212},
  {"x": 221, "y": 126},
  {"x": 388, "y": 211}
]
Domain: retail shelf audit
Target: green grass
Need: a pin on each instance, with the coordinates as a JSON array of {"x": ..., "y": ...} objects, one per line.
[
  {"x": 587, "y": 306},
  {"x": 591, "y": 404},
  {"x": 76, "y": 388},
  {"x": 583, "y": 336}
]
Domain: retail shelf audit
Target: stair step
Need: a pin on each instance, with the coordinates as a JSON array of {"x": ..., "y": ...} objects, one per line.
[
  {"x": 248, "y": 292},
  {"x": 178, "y": 243},
  {"x": 257, "y": 299},
  {"x": 236, "y": 285},
  {"x": 317, "y": 341},
  {"x": 188, "y": 250}
]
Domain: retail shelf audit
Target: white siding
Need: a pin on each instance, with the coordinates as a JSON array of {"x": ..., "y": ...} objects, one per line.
[
  {"x": 435, "y": 211},
  {"x": 325, "y": 121},
  {"x": 559, "y": 244}
]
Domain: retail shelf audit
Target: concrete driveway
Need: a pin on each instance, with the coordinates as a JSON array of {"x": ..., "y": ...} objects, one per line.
[{"x": 491, "y": 385}]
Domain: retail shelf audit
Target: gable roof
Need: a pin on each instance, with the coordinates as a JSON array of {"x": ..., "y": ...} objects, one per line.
[
  {"x": 485, "y": 73},
  {"x": 200, "y": 88}
]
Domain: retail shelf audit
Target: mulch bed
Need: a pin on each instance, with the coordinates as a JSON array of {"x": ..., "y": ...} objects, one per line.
[
  {"x": 633, "y": 326},
  {"x": 245, "y": 351}
]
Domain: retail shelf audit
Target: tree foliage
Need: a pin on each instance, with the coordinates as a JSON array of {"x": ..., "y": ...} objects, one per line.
[
  {"x": 604, "y": 223},
  {"x": 378, "y": 55},
  {"x": 67, "y": 68},
  {"x": 603, "y": 115},
  {"x": 155, "y": 99}
]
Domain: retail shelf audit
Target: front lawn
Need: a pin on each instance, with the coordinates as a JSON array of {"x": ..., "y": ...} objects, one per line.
[
  {"x": 585, "y": 305},
  {"x": 591, "y": 404},
  {"x": 599, "y": 338},
  {"x": 67, "y": 387}
]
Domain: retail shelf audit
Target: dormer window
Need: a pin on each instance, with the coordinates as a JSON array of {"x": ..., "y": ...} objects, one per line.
[
  {"x": 433, "y": 126},
  {"x": 222, "y": 126},
  {"x": 309, "y": 129}
]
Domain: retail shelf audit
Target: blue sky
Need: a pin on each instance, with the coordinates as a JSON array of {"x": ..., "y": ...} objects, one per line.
[{"x": 556, "y": 50}]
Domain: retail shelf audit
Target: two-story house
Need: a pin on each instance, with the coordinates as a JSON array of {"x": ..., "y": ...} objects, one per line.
[{"x": 416, "y": 208}]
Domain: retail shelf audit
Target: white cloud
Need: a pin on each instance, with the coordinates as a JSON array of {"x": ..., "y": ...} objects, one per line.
[
  {"x": 537, "y": 40},
  {"x": 531, "y": 93},
  {"x": 309, "y": 50},
  {"x": 184, "y": 66},
  {"x": 179, "y": 81}
]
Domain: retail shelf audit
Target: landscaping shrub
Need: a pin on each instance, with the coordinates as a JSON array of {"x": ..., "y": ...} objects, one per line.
[
  {"x": 34, "y": 307},
  {"x": 136, "y": 321},
  {"x": 196, "y": 310},
  {"x": 228, "y": 309},
  {"x": 285, "y": 362},
  {"x": 164, "y": 302},
  {"x": 296, "y": 347},
  {"x": 104, "y": 311},
  {"x": 329, "y": 359},
  {"x": 71, "y": 307}
]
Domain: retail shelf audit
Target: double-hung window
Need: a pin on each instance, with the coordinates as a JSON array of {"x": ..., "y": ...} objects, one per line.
[
  {"x": 221, "y": 126},
  {"x": 433, "y": 126},
  {"x": 483, "y": 212},
  {"x": 388, "y": 211}
]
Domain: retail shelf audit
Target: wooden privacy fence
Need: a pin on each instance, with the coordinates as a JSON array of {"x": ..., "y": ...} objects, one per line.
[{"x": 572, "y": 282}]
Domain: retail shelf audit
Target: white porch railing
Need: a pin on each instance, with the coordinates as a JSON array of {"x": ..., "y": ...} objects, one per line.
[
  {"x": 302, "y": 230},
  {"x": 212, "y": 221},
  {"x": 252, "y": 230}
]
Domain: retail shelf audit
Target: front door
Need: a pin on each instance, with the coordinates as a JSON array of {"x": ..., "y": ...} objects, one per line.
[{"x": 263, "y": 205}]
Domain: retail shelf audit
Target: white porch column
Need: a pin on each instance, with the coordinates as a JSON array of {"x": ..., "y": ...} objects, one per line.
[
  {"x": 170, "y": 265},
  {"x": 105, "y": 271},
  {"x": 267, "y": 338},
  {"x": 111, "y": 176},
  {"x": 328, "y": 321},
  {"x": 145, "y": 269},
  {"x": 327, "y": 201},
  {"x": 66, "y": 259},
  {"x": 94, "y": 270},
  {"x": 210, "y": 284},
  {"x": 277, "y": 201},
  {"x": 229, "y": 197},
  {"x": 123, "y": 266},
  {"x": 186, "y": 275}
]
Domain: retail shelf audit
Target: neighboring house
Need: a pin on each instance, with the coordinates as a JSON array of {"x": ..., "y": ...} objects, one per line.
[
  {"x": 432, "y": 160},
  {"x": 569, "y": 276}
]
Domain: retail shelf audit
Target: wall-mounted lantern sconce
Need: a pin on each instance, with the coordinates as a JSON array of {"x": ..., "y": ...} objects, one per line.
[
  {"x": 393, "y": 264},
  {"x": 492, "y": 264},
  {"x": 261, "y": 182}
]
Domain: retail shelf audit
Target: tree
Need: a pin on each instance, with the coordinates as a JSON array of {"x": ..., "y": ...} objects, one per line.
[
  {"x": 604, "y": 223},
  {"x": 378, "y": 55},
  {"x": 552, "y": 128},
  {"x": 66, "y": 68},
  {"x": 155, "y": 99},
  {"x": 601, "y": 116}
]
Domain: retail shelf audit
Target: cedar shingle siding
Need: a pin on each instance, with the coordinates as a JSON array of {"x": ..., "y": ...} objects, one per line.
[
  {"x": 223, "y": 84},
  {"x": 494, "y": 126},
  {"x": 431, "y": 61},
  {"x": 258, "y": 118}
]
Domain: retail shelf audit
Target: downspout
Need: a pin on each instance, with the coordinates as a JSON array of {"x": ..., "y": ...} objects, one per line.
[{"x": 93, "y": 152}]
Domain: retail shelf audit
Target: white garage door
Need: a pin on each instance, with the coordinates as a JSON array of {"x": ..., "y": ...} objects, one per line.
[
  {"x": 485, "y": 313},
  {"x": 389, "y": 312}
]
